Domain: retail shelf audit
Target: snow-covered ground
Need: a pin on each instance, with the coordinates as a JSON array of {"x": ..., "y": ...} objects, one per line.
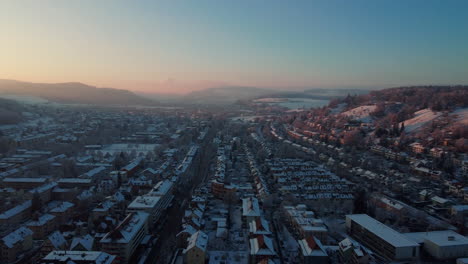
[
  {"x": 461, "y": 115},
  {"x": 422, "y": 117},
  {"x": 361, "y": 113}
]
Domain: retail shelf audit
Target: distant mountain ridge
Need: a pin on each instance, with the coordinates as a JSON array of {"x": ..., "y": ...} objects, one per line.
[{"x": 74, "y": 93}]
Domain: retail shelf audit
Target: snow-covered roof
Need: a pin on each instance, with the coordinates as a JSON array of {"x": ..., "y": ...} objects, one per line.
[
  {"x": 41, "y": 220},
  {"x": 29, "y": 180},
  {"x": 386, "y": 233},
  {"x": 250, "y": 207},
  {"x": 16, "y": 210},
  {"x": 86, "y": 241},
  {"x": 16, "y": 236},
  {"x": 43, "y": 188},
  {"x": 188, "y": 229},
  {"x": 199, "y": 239},
  {"x": 127, "y": 229},
  {"x": 440, "y": 238},
  {"x": 259, "y": 226},
  {"x": 57, "y": 240},
  {"x": 142, "y": 202},
  {"x": 311, "y": 246},
  {"x": 96, "y": 257},
  {"x": 262, "y": 245},
  {"x": 93, "y": 172},
  {"x": 62, "y": 207},
  {"x": 74, "y": 180},
  {"x": 161, "y": 188}
]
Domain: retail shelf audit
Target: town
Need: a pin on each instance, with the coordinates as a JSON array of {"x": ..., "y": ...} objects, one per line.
[{"x": 364, "y": 179}]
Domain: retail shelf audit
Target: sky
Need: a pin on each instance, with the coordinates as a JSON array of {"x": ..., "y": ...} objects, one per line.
[{"x": 178, "y": 46}]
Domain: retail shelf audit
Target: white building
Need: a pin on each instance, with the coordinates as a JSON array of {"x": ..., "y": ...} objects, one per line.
[
  {"x": 149, "y": 204},
  {"x": 126, "y": 237},
  {"x": 442, "y": 244}
]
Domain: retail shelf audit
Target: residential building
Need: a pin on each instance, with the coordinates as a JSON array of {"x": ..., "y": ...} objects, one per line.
[
  {"x": 42, "y": 225},
  {"x": 250, "y": 209},
  {"x": 261, "y": 249},
  {"x": 124, "y": 239},
  {"x": 351, "y": 252},
  {"x": 380, "y": 238},
  {"x": 15, "y": 244},
  {"x": 195, "y": 252},
  {"x": 311, "y": 251}
]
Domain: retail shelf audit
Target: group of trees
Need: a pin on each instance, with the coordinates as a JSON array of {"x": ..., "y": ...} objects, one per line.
[{"x": 438, "y": 98}]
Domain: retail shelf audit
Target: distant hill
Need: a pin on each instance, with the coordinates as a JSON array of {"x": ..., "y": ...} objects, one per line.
[
  {"x": 74, "y": 93},
  {"x": 228, "y": 94}
]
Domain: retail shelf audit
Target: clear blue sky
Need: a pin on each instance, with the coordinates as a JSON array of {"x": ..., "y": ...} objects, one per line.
[{"x": 260, "y": 43}]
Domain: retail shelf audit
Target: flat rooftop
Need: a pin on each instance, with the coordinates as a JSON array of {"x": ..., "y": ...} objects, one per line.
[
  {"x": 440, "y": 238},
  {"x": 144, "y": 202},
  {"x": 386, "y": 233}
]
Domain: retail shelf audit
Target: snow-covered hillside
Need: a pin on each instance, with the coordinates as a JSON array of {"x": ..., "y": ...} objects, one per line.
[
  {"x": 361, "y": 113},
  {"x": 422, "y": 117}
]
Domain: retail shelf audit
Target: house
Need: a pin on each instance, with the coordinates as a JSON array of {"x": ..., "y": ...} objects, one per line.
[
  {"x": 261, "y": 249},
  {"x": 85, "y": 243},
  {"x": 133, "y": 166},
  {"x": 250, "y": 209},
  {"x": 195, "y": 252},
  {"x": 183, "y": 236},
  {"x": 54, "y": 241},
  {"x": 312, "y": 251},
  {"x": 304, "y": 223}
]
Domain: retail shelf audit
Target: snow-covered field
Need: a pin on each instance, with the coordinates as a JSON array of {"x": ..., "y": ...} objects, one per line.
[
  {"x": 361, "y": 113},
  {"x": 422, "y": 117}
]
